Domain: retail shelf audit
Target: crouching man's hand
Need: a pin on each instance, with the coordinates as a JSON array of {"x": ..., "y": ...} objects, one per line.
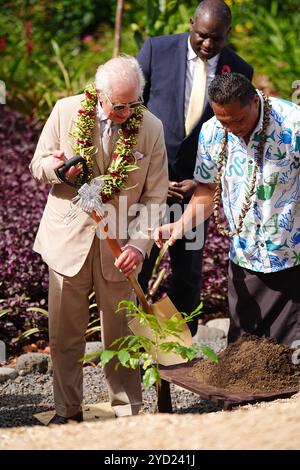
[{"x": 170, "y": 232}]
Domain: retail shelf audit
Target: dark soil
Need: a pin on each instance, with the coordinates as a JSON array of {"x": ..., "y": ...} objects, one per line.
[{"x": 250, "y": 365}]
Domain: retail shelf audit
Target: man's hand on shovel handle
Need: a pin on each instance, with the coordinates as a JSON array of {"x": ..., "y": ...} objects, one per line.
[
  {"x": 59, "y": 159},
  {"x": 129, "y": 260}
]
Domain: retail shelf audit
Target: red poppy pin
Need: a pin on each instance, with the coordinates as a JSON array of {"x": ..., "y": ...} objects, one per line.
[{"x": 225, "y": 69}]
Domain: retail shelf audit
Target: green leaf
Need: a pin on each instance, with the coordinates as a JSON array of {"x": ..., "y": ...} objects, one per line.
[
  {"x": 91, "y": 331},
  {"x": 91, "y": 295},
  {"x": 121, "y": 341},
  {"x": 97, "y": 320},
  {"x": 147, "y": 363},
  {"x": 134, "y": 363},
  {"x": 146, "y": 343},
  {"x": 209, "y": 353},
  {"x": 168, "y": 346},
  {"x": 195, "y": 312},
  {"x": 55, "y": 47},
  {"x": 187, "y": 352},
  {"x": 93, "y": 306},
  {"x": 150, "y": 377},
  {"x": 4, "y": 312},
  {"x": 31, "y": 332},
  {"x": 107, "y": 355},
  {"x": 87, "y": 357},
  {"x": 124, "y": 357},
  {"x": 133, "y": 342},
  {"x": 37, "y": 309}
]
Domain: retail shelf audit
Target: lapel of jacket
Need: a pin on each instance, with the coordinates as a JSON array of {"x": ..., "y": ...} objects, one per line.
[
  {"x": 224, "y": 59},
  {"x": 98, "y": 159},
  {"x": 179, "y": 77}
]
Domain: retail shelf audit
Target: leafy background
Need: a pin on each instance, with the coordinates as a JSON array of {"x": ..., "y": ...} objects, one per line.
[{"x": 50, "y": 49}]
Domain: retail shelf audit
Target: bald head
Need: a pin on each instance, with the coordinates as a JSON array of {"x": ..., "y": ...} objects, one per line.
[
  {"x": 209, "y": 28},
  {"x": 216, "y": 9}
]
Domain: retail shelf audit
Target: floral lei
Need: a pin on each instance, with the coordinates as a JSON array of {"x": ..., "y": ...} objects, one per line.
[
  {"x": 123, "y": 159},
  {"x": 222, "y": 160}
]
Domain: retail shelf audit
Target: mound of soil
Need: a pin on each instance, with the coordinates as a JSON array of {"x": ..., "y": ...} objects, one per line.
[{"x": 250, "y": 365}]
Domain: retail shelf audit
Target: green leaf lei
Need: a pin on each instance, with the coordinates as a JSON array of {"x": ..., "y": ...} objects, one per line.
[{"x": 123, "y": 159}]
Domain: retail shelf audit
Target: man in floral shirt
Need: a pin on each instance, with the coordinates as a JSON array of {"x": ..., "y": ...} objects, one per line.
[
  {"x": 170, "y": 64},
  {"x": 249, "y": 157}
]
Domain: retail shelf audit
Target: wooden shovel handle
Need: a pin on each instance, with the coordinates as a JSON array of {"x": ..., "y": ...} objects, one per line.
[{"x": 114, "y": 246}]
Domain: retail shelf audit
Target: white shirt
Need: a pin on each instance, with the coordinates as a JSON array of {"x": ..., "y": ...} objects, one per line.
[
  {"x": 211, "y": 68},
  {"x": 103, "y": 118},
  {"x": 101, "y": 114}
]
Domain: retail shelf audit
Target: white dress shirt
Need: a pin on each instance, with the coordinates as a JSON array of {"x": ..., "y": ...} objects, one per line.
[{"x": 103, "y": 118}]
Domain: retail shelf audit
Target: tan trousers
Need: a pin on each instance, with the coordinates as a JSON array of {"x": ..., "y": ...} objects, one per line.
[{"x": 68, "y": 320}]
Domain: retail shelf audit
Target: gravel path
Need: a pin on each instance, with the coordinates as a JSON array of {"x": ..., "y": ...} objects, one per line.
[
  {"x": 267, "y": 425},
  {"x": 32, "y": 393}
]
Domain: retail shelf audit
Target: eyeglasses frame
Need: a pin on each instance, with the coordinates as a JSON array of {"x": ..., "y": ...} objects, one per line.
[{"x": 122, "y": 106}]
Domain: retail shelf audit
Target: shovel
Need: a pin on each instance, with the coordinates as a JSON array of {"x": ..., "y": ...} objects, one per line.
[{"x": 163, "y": 309}]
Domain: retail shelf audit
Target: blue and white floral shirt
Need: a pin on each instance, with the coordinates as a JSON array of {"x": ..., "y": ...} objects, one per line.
[{"x": 270, "y": 239}]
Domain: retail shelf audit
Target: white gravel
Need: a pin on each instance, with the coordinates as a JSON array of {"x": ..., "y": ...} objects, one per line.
[{"x": 21, "y": 398}]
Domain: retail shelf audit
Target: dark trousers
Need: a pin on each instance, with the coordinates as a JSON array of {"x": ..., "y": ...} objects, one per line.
[
  {"x": 185, "y": 282},
  {"x": 264, "y": 304}
]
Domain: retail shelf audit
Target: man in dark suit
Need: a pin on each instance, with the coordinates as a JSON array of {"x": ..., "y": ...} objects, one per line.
[{"x": 168, "y": 63}]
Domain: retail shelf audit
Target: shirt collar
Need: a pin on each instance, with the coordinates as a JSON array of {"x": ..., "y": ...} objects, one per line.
[
  {"x": 259, "y": 125},
  {"x": 191, "y": 55}
]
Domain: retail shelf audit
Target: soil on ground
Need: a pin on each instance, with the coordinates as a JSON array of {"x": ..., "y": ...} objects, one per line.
[{"x": 251, "y": 365}]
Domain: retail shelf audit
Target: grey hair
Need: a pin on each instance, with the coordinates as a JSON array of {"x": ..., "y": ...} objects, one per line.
[{"x": 124, "y": 68}]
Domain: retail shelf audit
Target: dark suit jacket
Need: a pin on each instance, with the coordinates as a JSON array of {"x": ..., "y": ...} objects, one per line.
[{"x": 163, "y": 60}]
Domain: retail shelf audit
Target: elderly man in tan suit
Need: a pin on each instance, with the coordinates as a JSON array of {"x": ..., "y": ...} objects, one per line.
[{"x": 78, "y": 260}]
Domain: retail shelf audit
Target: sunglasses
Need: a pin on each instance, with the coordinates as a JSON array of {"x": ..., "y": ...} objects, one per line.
[{"x": 121, "y": 106}]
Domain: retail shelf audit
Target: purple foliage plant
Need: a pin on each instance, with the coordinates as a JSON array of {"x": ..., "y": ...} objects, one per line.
[{"x": 23, "y": 276}]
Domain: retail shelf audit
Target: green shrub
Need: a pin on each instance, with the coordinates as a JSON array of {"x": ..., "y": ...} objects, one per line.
[
  {"x": 52, "y": 49},
  {"x": 266, "y": 35},
  {"x": 35, "y": 83},
  {"x": 62, "y": 19},
  {"x": 155, "y": 17}
]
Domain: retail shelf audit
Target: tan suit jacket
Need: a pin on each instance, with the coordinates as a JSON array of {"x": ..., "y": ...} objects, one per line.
[{"x": 65, "y": 247}]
